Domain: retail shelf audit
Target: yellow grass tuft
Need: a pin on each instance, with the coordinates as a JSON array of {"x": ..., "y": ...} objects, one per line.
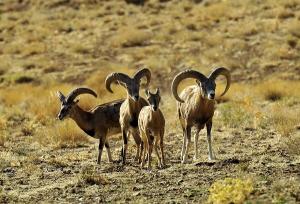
[
  {"x": 284, "y": 120},
  {"x": 2, "y": 131},
  {"x": 230, "y": 190},
  {"x": 63, "y": 134},
  {"x": 276, "y": 89}
]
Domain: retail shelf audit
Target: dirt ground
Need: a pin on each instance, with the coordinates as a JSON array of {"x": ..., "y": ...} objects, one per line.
[{"x": 47, "y": 46}]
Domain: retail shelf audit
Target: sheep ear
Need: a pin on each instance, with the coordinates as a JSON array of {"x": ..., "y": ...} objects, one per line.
[
  {"x": 60, "y": 96},
  {"x": 76, "y": 101},
  {"x": 147, "y": 92},
  {"x": 157, "y": 91},
  {"x": 198, "y": 82}
]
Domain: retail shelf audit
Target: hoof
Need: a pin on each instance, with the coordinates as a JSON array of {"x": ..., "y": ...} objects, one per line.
[
  {"x": 212, "y": 158},
  {"x": 184, "y": 161}
]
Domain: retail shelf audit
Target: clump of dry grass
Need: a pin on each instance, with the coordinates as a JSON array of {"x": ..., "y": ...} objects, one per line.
[
  {"x": 281, "y": 189},
  {"x": 57, "y": 162},
  {"x": 276, "y": 89},
  {"x": 230, "y": 190},
  {"x": 272, "y": 91},
  {"x": 40, "y": 101},
  {"x": 2, "y": 131},
  {"x": 63, "y": 134},
  {"x": 284, "y": 120},
  {"x": 131, "y": 37},
  {"x": 2, "y": 139},
  {"x": 235, "y": 114},
  {"x": 92, "y": 177}
]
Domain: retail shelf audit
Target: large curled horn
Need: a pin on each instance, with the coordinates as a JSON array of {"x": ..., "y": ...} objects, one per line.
[
  {"x": 221, "y": 71},
  {"x": 115, "y": 77},
  {"x": 183, "y": 75},
  {"x": 143, "y": 73},
  {"x": 79, "y": 91}
]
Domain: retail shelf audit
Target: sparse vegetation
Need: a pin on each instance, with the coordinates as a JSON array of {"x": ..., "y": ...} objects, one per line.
[
  {"x": 92, "y": 177},
  {"x": 3, "y": 127},
  {"x": 62, "y": 135},
  {"x": 235, "y": 114},
  {"x": 230, "y": 190},
  {"x": 46, "y": 46},
  {"x": 285, "y": 120}
]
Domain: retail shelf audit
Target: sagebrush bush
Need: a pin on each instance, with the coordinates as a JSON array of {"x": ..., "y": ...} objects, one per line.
[{"x": 230, "y": 190}]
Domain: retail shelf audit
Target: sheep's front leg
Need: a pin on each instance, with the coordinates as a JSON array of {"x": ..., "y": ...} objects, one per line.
[
  {"x": 210, "y": 151},
  {"x": 124, "y": 148},
  {"x": 108, "y": 152},
  {"x": 196, "y": 137},
  {"x": 101, "y": 145},
  {"x": 150, "y": 147},
  {"x": 188, "y": 142},
  {"x": 156, "y": 140}
]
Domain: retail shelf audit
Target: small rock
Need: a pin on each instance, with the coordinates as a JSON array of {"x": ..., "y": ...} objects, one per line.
[{"x": 136, "y": 193}]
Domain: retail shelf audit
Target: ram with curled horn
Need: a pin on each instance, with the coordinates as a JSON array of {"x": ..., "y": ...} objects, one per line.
[
  {"x": 99, "y": 122},
  {"x": 196, "y": 106},
  {"x": 131, "y": 107}
]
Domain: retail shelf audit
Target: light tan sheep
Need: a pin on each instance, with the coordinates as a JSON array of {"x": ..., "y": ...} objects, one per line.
[
  {"x": 196, "y": 106},
  {"x": 152, "y": 127},
  {"x": 131, "y": 107}
]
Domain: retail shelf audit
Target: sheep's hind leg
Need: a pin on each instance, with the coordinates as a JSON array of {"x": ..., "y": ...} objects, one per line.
[
  {"x": 108, "y": 152},
  {"x": 101, "y": 145},
  {"x": 188, "y": 142},
  {"x": 124, "y": 148},
  {"x": 183, "y": 145}
]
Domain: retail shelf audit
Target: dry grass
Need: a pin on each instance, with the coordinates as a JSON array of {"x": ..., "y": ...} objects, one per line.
[
  {"x": 3, "y": 127},
  {"x": 91, "y": 176},
  {"x": 131, "y": 37},
  {"x": 284, "y": 120},
  {"x": 236, "y": 114},
  {"x": 276, "y": 89},
  {"x": 63, "y": 134},
  {"x": 40, "y": 44}
]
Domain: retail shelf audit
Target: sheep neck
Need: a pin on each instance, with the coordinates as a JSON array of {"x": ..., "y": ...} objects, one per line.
[
  {"x": 82, "y": 118},
  {"x": 204, "y": 106},
  {"x": 133, "y": 106}
]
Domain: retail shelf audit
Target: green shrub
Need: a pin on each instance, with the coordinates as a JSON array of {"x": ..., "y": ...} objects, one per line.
[{"x": 230, "y": 190}]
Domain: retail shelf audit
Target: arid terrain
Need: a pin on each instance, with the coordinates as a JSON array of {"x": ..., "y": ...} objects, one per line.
[{"x": 46, "y": 46}]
